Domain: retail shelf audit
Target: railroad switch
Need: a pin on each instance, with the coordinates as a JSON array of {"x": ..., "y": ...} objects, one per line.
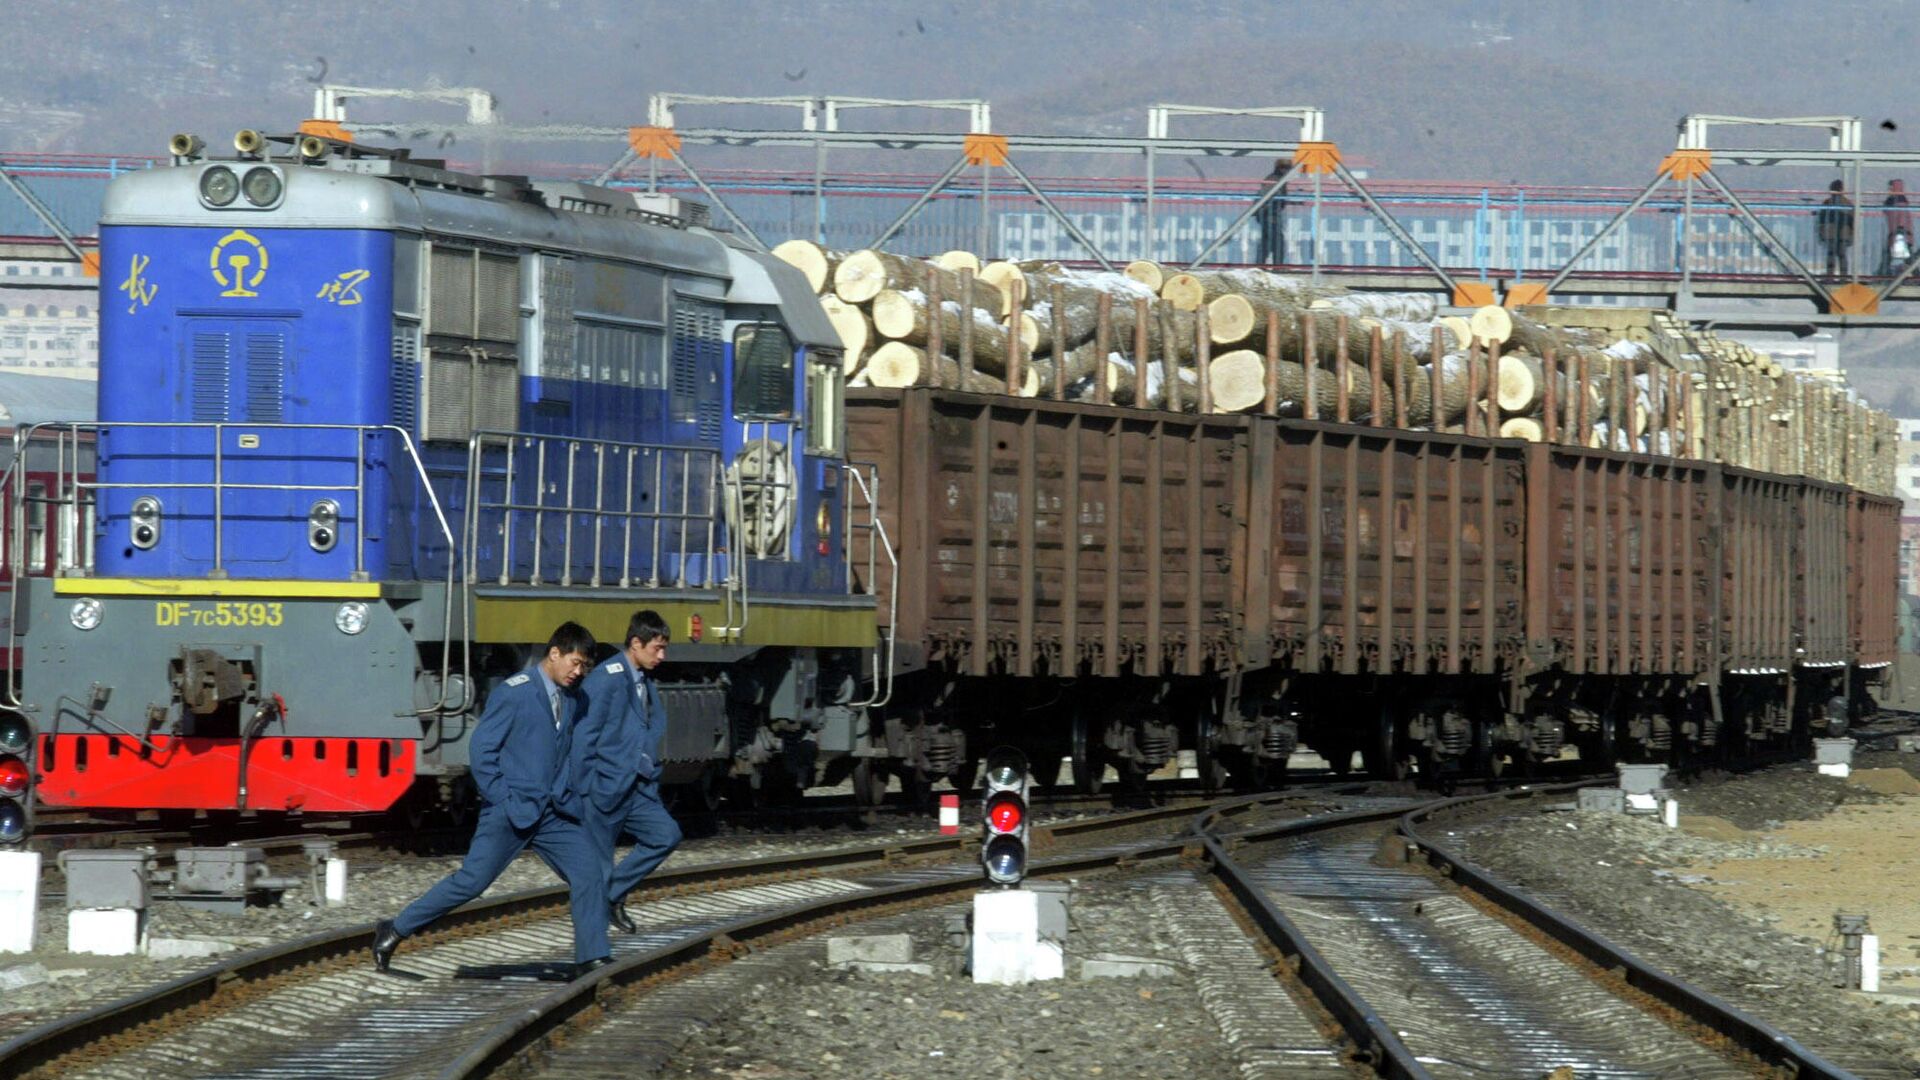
[{"x": 222, "y": 879}]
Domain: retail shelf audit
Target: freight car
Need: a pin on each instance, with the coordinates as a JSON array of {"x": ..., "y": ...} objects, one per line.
[
  {"x": 1240, "y": 585},
  {"x": 368, "y": 426}
]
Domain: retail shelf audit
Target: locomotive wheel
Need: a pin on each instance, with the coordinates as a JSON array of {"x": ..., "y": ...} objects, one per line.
[
  {"x": 1089, "y": 763},
  {"x": 1206, "y": 755},
  {"x": 869, "y": 783},
  {"x": 1382, "y": 751}
]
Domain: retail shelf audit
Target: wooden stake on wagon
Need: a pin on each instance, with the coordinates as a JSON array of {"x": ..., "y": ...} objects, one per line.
[
  {"x": 1549, "y": 401},
  {"x": 966, "y": 325},
  {"x": 1473, "y": 388},
  {"x": 1490, "y": 425},
  {"x": 1016, "y": 375},
  {"x": 1141, "y": 313},
  {"x": 1375, "y": 351},
  {"x": 1169, "y": 359},
  {"x": 936, "y": 333},
  {"x": 1438, "y": 360},
  {"x": 1059, "y": 305},
  {"x": 1202, "y": 355},
  {"x": 1400, "y": 378},
  {"x": 1310, "y": 363},
  {"x": 1340, "y": 374},
  {"x": 1102, "y": 346},
  {"x": 1273, "y": 363}
]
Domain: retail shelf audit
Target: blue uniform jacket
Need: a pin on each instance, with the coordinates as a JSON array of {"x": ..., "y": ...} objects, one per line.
[
  {"x": 618, "y": 744},
  {"x": 519, "y": 761}
]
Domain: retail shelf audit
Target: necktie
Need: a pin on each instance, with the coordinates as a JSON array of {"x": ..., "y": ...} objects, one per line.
[{"x": 554, "y": 699}]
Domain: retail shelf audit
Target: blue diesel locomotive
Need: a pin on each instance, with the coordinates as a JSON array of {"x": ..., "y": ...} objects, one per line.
[{"x": 369, "y": 426}]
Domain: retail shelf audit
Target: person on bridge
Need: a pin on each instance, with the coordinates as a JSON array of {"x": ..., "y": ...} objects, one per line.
[
  {"x": 1899, "y": 229},
  {"x": 521, "y": 757},
  {"x": 617, "y": 762},
  {"x": 1272, "y": 219},
  {"x": 1834, "y": 223}
]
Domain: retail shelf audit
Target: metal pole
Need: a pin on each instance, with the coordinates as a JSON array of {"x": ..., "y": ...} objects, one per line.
[
  {"x": 1638, "y": 201},
  {"x": 1392, "y": 225},
  {"x": 945, "y": 179},
  {"x": 613, "y": 170},
  {"x": 219, "y": 499},
  {"x": 1766, "y": 237},
  {"x": 1686, "y": 238},
  {"x": 986, "y": 199},
  {"x": 1272, "y": 192},
  {"x": 1315, "y": 226},
  {"x": 718, "y": 201},
  {"x": 820, "y": 192},
  {"x": 1148, "y": 232},
  {"x": 1066, "y": 222},
  {"x": 1859, "y": 197}
]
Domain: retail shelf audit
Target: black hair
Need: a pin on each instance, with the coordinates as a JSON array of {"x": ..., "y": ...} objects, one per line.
[
  {"x": 571, "y": 637},
  {"x": 646, "y": 625}
]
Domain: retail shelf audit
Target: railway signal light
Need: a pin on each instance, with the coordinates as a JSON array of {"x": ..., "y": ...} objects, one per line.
[
  {"x": 16, "y": 777},
  {"x": 1003, "y": 850}
]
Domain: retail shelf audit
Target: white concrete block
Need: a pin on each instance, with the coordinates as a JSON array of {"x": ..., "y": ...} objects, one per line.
[
  {"x": 197, "y": 946},
  {"x": 1007, "y": 949},
  {"x": 105, "y": 931},
  {"x": 1643, "y": 803},
  {"x": 1670, "y": 813},
  {"x": 872, "y": 948},
  {"x": 19, "y": 901},
  {"x": 1841, "y": 770},
  {"x": 1125, "y": 967},
  {"x": 336, "y": 882},
  {"x": 881, "y": 967},
  {"x": 21, "y": 976},
  {"x": 1870, "y": 963}
]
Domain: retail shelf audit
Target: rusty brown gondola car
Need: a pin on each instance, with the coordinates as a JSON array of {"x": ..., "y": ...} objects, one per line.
[{"x": 1114, "y": 585}]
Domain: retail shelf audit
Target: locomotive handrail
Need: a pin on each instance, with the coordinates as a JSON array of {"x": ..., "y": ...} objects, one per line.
[
  {"x": 76, "y": 485},
  {"x": 877, "y": 529},
  {"x": 685, "y": 515}
]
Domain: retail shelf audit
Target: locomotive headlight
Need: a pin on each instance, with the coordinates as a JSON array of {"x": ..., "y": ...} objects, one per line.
[
  {"x": 218, "y": 186},
  {"x": 351, "y": 618},
  {"x": 143, "y": 522},
  {"x": 262, "y": 186},
  {"x": 323, "y": 526},
  {"x": 14, "y": 734},
  {"x": 85, "y": 613}
]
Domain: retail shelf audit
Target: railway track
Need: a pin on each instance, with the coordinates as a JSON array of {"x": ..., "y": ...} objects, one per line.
[
  {"x": 314, "y": 1007},
  {"x": 1428, "y": 967}
]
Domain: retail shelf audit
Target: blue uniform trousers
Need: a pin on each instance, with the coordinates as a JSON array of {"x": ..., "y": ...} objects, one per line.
[
  {"x": 655, "y": 834},
  {"x": 566, "y": 846}
]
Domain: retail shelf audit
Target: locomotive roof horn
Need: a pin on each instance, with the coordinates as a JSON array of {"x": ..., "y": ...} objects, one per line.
[
  {"x": 184, "y": 145},
  {"x": 313, "y": 148},
  {"x": 248, "y": 141}
]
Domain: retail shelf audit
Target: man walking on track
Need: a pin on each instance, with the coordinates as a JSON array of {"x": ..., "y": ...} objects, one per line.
[
  {"x": 521, "y": 758},
  {"x": 617, "y": 761}
]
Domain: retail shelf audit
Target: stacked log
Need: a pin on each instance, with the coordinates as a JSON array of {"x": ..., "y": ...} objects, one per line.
[{"x": 1250, "y": 341}]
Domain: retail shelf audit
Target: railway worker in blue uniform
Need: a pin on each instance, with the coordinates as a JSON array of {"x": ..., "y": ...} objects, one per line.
[
  {"x": 617, "y": 761},
  {"x": 521, "y": 756}
]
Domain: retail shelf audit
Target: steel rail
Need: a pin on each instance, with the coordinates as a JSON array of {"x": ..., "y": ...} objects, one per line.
[
  {"x": 122, "y": 1020},
  {"x": 1773, "y": 1047}
]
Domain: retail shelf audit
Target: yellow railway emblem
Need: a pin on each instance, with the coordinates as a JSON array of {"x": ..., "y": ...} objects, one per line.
[{"x": 249, "y": 253}]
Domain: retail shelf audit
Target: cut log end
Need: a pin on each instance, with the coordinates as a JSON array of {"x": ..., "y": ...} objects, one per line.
[
  {"x": 1522, "y": 427},
  {"x": 1491, "y": 324},
  {"x": 1184, "y": 291},
  {"x": 1239, "y": 380},
  {"x": 1147, "y": 273},
  {"x": 811, "y": 259}
]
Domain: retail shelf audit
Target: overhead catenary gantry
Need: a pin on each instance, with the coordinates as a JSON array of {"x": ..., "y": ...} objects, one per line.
[{"x": 662, "y": 139}]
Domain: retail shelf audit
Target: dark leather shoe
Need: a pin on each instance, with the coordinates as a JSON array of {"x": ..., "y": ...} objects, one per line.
[
  {"x": 385, "y": 940},
  {"x": 587, "y": 967},
  {"x": 623, "y": 922}
]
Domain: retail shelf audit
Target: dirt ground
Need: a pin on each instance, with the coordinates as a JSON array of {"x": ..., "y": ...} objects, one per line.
[{"x": 1869, "y": 861}]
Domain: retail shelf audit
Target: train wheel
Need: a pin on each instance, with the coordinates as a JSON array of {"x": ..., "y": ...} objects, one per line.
[
  {"x": 869, "y": 783},
  {"x": 1089, "y": 762},
  {"x": 1206, "y": 754},
  {"x": 1382, "y": 751}
]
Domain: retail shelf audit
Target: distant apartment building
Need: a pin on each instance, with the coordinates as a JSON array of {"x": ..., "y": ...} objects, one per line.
[{"x": 49, "y": 316}]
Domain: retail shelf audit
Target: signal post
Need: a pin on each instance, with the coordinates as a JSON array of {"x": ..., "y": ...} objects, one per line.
[{"x": 1019, "y": 934}]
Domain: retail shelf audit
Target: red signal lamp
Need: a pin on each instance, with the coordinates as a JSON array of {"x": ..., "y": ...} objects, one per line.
[
  {"x": 13, "y": 777},
  {"x": 1005, "y": 812}
]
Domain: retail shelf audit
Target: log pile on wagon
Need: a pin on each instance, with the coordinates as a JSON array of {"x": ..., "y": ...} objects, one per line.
[{"x": 1251, "y": 341}]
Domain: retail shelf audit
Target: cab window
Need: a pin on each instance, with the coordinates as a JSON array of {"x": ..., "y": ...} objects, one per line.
[{"x": 762, "y": 373}]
